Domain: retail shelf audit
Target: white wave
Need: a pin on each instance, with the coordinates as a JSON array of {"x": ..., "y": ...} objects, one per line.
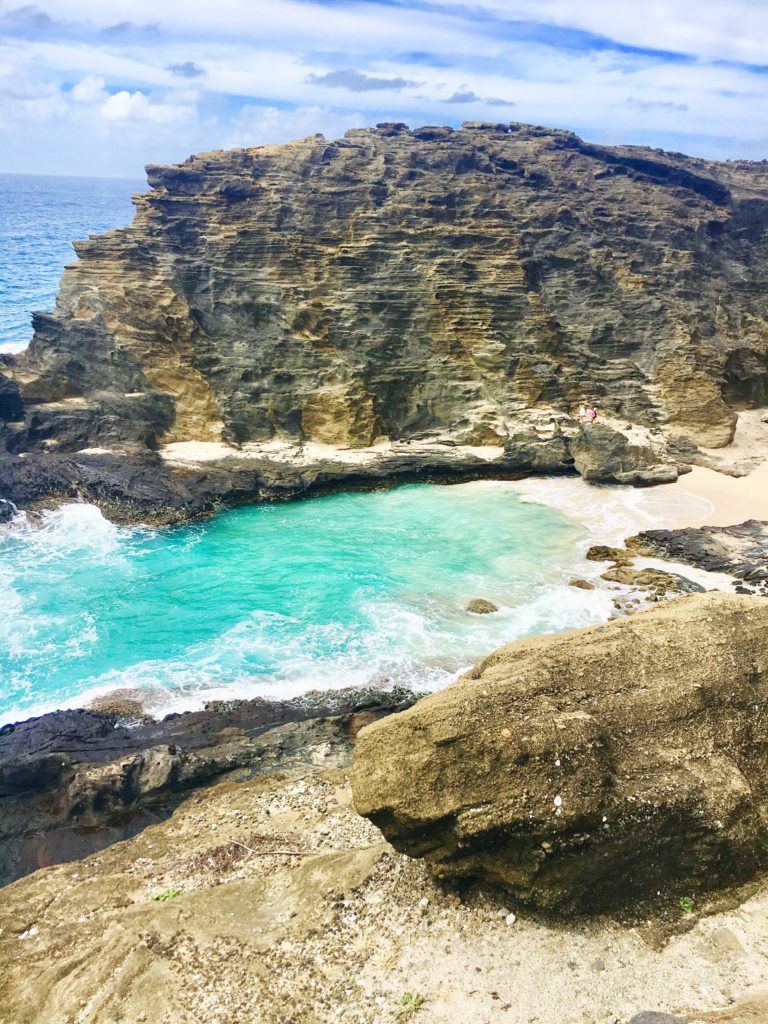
[
  {"x": 421, "y": 638},
  {"x": 611, "y": 513},
  {"x": 73, "y": 527}
]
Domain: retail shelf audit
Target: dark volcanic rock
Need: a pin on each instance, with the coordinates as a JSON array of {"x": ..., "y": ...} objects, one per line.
[
  {"x": 73, "y": 781},
  {"x": 11, "y": 408},
  {"x": 475, "y": 285},
  {"x": 739, "y": 550},
  {"x": 586, "y": 770}
]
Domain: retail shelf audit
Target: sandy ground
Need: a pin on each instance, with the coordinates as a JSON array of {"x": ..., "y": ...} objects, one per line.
[
  {"x": 338, "y": 932},
  {"x": 734, "y": 499},
  {"x": 195, "y": 453},
  {"x": 732, "y": 489}
]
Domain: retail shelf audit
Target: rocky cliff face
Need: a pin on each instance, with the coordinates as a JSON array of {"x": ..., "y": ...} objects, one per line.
[{"x": 406, "y": 284}]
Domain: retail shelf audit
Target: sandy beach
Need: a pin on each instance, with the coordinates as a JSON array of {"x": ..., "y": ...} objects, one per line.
[{"x": 733, "y": 499}]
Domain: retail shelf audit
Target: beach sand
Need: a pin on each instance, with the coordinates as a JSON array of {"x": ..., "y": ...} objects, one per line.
[{"x": 733, "y": 499}]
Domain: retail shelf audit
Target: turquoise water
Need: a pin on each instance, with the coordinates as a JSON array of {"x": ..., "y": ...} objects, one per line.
[
  {"x": 38, "y": 218},
  {"x": 279, "y": 599}
]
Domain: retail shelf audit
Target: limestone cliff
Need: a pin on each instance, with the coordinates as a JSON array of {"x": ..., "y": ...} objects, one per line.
[{"x": 408, "y": 284}]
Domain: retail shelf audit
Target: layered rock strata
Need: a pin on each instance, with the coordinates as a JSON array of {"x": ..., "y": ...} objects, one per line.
[
  {"x": 471, "y": 287},
  {"x": 590, "y": 769}
]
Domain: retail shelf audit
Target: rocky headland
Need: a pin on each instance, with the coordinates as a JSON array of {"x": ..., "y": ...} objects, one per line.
[{"x": 395, "y": 305}]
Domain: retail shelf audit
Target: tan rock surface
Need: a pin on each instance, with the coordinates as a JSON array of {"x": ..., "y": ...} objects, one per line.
[
  {"x": 340, "y": 934},
  {"x": 592, "y": 768},
  {"x": 402, "y": 283}
]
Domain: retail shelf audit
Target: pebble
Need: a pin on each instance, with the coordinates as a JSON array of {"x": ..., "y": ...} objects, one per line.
[
  {"x": 510, "y": 919},
  {"x": 653, "y": 1017}
]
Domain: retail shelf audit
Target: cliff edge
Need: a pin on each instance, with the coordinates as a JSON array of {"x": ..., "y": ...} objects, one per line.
[{"x": 468, "y": 288}]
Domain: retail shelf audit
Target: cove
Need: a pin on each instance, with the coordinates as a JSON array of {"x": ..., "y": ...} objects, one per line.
[{"x": 277, "y": 599}]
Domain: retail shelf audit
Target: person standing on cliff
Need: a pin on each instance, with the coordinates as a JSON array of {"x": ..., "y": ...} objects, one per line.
[{"x": 592, "y": 413}]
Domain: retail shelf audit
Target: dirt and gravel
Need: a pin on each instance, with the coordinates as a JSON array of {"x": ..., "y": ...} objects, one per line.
[{"x": 270, "y": 901}]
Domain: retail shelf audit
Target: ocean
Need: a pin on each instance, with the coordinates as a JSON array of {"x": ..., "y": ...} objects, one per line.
[
  {"x": 273, "y": 600},
  {"x": 39, "y": 217}
]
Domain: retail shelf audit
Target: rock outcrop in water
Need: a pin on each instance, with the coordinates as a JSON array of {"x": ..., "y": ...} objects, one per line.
[
  {"x": 740, "y": 551},
  {"x": 589, "y": 769},
  {"x": 468, "y": 288}
]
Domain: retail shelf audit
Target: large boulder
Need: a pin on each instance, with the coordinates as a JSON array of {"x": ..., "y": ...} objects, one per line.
[
  {"x": 604, "y": 455},
  {"x": 593, "y": 768}
]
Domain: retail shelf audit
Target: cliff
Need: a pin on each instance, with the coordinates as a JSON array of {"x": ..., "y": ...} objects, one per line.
[{"x": 466, "y": 285}]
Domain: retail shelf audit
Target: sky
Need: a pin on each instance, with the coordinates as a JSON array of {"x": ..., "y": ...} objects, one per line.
[{"x": 102, "y": 87}]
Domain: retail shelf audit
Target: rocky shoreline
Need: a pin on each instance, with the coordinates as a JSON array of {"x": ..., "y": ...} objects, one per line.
[
  {"x": 575, "y": 831},
  {"x": 74, "y": 781},
  {"x": 223, "y": 872},
  {"x": 445, "y": 320},
  {"x": 179, "y": 484}
]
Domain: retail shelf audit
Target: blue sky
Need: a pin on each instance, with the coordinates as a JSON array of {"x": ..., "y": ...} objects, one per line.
[{"x": 104, "y": 86}]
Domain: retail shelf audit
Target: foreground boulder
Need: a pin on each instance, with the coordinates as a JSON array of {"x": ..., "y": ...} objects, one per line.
[{"x": 589, "y": 769}]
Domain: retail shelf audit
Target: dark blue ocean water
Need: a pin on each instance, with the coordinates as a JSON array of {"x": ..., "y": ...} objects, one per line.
[{"x": 39, "y": 217}]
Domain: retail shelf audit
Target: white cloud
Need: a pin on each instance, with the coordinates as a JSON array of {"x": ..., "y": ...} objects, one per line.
[
  {"x": 240, "y": 72},
  {"x": 89, "y": 89},
  {"x": 257, "y": 125},
  {"x": 137, "y": 106}
]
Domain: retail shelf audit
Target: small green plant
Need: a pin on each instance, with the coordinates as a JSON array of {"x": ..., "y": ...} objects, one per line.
[
  {"x": 411, "y": 1003},
  {"x": 169, "y": 894},
  {"x": 686, "y": 904}
]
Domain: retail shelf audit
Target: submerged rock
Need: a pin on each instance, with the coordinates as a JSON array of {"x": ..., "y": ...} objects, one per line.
[
  {"x": 587, "y": 770},
  {"x": 581, "y": 584},
  {"x": 603, "y": 553},
  {"x": 479, "y": 606},
  {"x": 656, "y": 581}
]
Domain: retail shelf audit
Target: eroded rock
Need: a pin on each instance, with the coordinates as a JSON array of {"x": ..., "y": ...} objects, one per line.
[
  {"x": 739, "y": 550},
  {"x": 590, "y": 769},
  {"x": 474, "y": 285},
  {"x": 604, "y": 455},
  {"x": 75, "y": 781},
  {"x": 581, "y": 584}
]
